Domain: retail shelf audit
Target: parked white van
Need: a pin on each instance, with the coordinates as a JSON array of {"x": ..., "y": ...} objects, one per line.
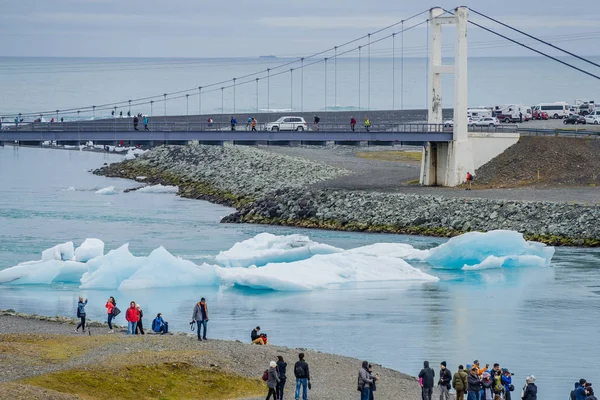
[{"x": 556, "y": 110}]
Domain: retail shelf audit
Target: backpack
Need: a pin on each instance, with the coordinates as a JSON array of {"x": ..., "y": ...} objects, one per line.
[
  {"x": 573, "y": 397},
  {"x": 154, "y": 323},
  {"x": 115, "y": 311},
  {"x": 265, "y": 376},
  {"x": 299, "y": 371}
]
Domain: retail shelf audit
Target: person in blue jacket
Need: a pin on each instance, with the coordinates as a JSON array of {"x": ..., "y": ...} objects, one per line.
[
  {"x": 579, "y": 390},
  {"x": 233, "y": 123},
  {"x": 81, "y": 314},
  {"x": 159, "y": 325},
  {"x": 506, "y": 380}
]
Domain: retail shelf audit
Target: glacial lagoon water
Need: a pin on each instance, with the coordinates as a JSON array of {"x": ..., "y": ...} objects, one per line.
[{"x": 533, "y": 320}]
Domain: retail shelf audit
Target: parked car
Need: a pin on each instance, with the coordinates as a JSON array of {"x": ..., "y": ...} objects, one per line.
[
  {"x": 574, "y": 119},
  {"x": 539, "y": 115},
  {"x": 487, "y": 121},
  {"x": 450, "y": 122},
  {"x": 288, "y": 124},
  {"x": 592, "y": 119}
]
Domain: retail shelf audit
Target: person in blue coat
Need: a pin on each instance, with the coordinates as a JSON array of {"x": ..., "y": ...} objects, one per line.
[
  {"x": 159, "y": 325},
  {"x": 81, "y": 314},
  {"x": 233, "y": 123},
  {"x": 506, "y": 380},
  {"x": 579, "y": 390}
]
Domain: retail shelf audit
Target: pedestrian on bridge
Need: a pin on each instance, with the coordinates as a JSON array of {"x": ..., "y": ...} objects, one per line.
[
  {"x": 136, "y": 121},
  {"x": 249, "y": 122},
  {"x": 352, "y": 123},
  {"x": 253, "y": 123},
  {"x": 233, "y": 123},
  {"x": 146, "y": 124},
  {"x": 367, "y": 124},
  {"x": 317, "y": 120}
]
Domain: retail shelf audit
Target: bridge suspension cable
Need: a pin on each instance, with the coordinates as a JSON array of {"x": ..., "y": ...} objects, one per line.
[{"x": 173, "y": 95}]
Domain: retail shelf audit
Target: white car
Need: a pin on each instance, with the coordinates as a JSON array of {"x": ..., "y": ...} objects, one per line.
[
  {"x": 592, "y": 119},
  {"x": 486, "y": 121},
  {"x": 450, "y": 123},
  {"x": 288, "y": 124}
]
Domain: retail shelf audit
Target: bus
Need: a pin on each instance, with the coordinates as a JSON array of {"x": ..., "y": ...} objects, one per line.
[{"x": 556, "y": 110}]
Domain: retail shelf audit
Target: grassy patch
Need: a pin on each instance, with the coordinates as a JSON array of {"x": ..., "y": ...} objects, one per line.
[
  {"x": 49, "y": 348},
  {"x": 393, "y": 156},
  {"x": 167, "y": 380}
]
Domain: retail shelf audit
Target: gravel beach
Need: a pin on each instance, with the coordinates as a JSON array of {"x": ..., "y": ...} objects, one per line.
[{"x": 333, "y": 377}]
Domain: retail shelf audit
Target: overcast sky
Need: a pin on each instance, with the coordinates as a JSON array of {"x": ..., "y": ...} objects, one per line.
[{"x": 233, "y": 28}]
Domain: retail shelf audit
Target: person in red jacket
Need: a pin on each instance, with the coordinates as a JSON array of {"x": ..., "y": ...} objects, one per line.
[
  {"x": 132, "y": 316},
  {"x": 110, "y": 306},
  {"x": 352, "y": 123}
]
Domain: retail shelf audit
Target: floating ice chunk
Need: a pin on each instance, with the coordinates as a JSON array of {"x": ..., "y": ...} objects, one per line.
[
  {"x": 89, "y": 249},
  {"x": 69, "y": 147},
  {"x": 69, "y": 189},
  {"x": 130, "y": 155},
  {"x": 140, "y": 178},
  {"x": 397, "y": 250},
  {"x": 63, "y": 252},
  {"x": 159, "y": 189},
  {"x": 107, "y": 190},
  {"x": 119, "y": 149},
  {"x": 108, "y": 271},
  {"x": 162, "y": 269},
  {"x": 43, "y": 273},
  {"x": 494, "y": 249},
  {"x": 324, "y": 271},
  {"x": 139, "y": 152},
  {"x": 267, "y": 248}
]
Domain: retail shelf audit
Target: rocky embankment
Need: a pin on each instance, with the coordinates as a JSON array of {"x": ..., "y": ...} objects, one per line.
[{"x": 268, "y": 188}]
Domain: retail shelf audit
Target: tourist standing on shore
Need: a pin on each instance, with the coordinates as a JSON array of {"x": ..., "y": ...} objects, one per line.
[
  {"x": 373, "y": 385},
  {"x": 81, "y": 314},
  {"x": 444, "y": 382},
  {"x": 272, "y": 381},
  {"x": 459, "y": 383},
  {"x": 139, "y": 327},
  {"x": 488, "y": 386},
  {"x": 159, "y": 325},
  {"x": 590, "y": 393},
  {"x": 365, "y": 380},
  {"x": 579, "y": 392},
  {"x": 426, "y": 377},
  {"x": 530, "y": 389},
  {"x": 302, "y": 375},
  {"x": 352, "y": 123},
  {"x": 111, "y": 304},
  {"x": 474, "y": 384},
  {"x": 281, "y": 369},
  {"x": 132, "y": 316},
  {"x": 507, "y": 383},
  {"x": 200, "y": 315}
]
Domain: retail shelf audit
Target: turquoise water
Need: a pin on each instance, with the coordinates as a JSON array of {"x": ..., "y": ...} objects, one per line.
[{"x": 540, "y": 321}]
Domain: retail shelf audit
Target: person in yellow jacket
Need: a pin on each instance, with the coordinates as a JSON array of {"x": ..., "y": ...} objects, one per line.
[{"x": 367, "y": 124}]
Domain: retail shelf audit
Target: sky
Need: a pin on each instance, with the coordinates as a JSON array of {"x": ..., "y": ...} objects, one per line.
[{"x": 242, "y": 28}]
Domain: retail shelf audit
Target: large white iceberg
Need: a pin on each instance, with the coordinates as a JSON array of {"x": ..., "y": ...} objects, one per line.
[
  {"x": 266, "y": 248},
  {"x": 63, "y": 252},
  {"x": 159, "y": 189},
  {"x": 43, "y": 273},
  {"x": 324, "y": 271},
  {"x": 493, "y": 249},
  {"x": 89, "y": 249}
]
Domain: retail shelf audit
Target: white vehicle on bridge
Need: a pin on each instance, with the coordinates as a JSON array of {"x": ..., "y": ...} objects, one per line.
[
  {"x": 554, "y": 110},
  {"x": 287, "y": 124},
  {"x": 487, "y": 121},
  {"x": 593, "y": 117}
]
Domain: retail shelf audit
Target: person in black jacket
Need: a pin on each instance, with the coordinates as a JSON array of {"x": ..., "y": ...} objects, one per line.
[
  {"x": 474, "y": 384},
  {"x": 302, "y": 375},
  {"x": 444, "y": 382},
  {"x": 589, "y": 392},
  {"x": 426, "y": 377},
  {"x": 530, "y": 390},
  {"x": 281, "y": 367}
]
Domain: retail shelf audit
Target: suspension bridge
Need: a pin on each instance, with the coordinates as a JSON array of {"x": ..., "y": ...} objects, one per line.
[{"x": 449, "y": 150}]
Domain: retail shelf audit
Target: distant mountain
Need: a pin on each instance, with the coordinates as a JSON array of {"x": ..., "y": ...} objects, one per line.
[{"x": 268, "y": 57}]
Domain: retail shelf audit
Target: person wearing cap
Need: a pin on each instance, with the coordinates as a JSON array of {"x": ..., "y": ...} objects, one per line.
[
  {"x": 506, "y": 382},
  {"x": 579, "y": 392},
  {"x": 474, "y": 384},
  {"x": 426, "y": 379},
  {"x": 459, "y": 383},
  {"x": 444, "y": 382},
  {"x": 589, "y": 392},
  {"x": 365, "y": 380},
  {"x": 530, "y": 390},
  {"x": 273, "y": 380}
]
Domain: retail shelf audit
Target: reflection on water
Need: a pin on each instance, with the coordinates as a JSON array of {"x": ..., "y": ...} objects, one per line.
[{"x": 540, "y": 321}]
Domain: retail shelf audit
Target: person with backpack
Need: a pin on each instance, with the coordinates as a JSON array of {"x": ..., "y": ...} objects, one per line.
[
  {"x": 579, "y": 392},
  {"x": 469, "y": 180},
  {"x": 426, "y": 377},
  {"x": 112, "y": 310},
  {"x": 459, "y": 383},
  {"x": 272, "y": 380},
  {"x": 507, "y": 383},
  {"x": 81, "y": 314},
  {"x": 200, "y": 315},
  {"x": 474, "y": 384},
  {"x": 281, "y": 369},
  {"x": 444, "y": 382},
  {"x": 159, "y": 325},
  {"x": 302, "y": 375},
  {"x": 589, "y": 391},
  {"x": 365, "y": 380},
  {"x": 253, "y": 123},
  {"x": 530, "y": 389},
  {"x": 132, "y": 316}
]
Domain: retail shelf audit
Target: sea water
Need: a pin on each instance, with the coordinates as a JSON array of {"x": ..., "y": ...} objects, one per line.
[{"x": 533, "y": 320}]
